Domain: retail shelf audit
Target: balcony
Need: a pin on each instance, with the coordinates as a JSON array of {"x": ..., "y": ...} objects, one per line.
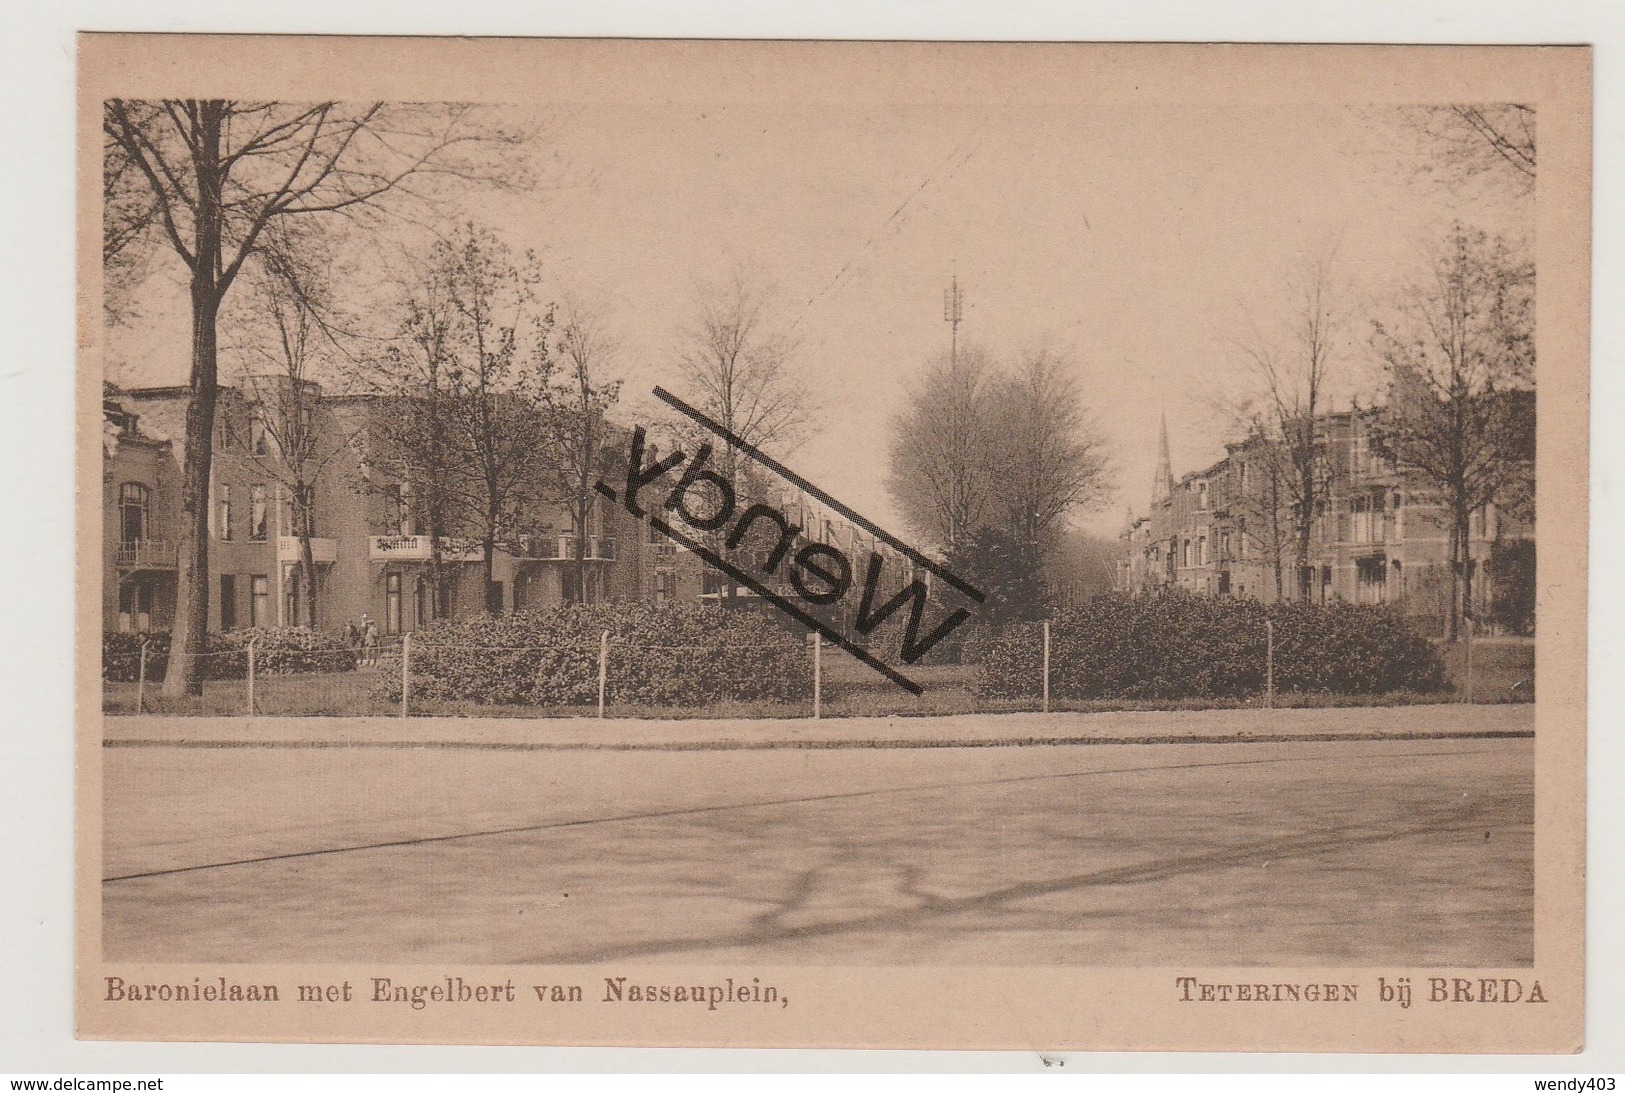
[
  {"x": 562, "y": 548},
  {"x": 417, "y": 548},
  {"x": 322, "y": 551},
  {"x": 543, "y": 548},
  {"x": 145, "y": 554}
]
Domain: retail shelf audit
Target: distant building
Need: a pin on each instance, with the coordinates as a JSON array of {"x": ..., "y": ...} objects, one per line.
[{"x": 1380, "y": 537}]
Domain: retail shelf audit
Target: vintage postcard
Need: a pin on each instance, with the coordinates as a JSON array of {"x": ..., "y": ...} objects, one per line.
[{"x": 816, "y": 544}]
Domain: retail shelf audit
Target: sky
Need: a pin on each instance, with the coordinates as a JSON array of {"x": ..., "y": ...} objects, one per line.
[{"x": 1143, "y": 241}]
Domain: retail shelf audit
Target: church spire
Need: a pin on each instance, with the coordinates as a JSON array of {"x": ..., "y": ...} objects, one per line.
[{"x": 1162, "y": 483}]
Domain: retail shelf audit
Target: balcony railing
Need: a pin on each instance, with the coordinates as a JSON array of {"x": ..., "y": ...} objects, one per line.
[
  {"x": 322, "y": 551},
  {"x": 562, "y": 548},
  {"x": 417, "y": 548},
  {"x": 146, "y": 554}
]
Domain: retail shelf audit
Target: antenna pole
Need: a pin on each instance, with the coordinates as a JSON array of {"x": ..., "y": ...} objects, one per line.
[{"x": 953, "y": 310}]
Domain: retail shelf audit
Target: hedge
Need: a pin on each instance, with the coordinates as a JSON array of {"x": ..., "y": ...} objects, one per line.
[
  {"x": 1177, "y": 645},
  {"x": 660, "y": 654},
  {"x": 277, "y": 651}
]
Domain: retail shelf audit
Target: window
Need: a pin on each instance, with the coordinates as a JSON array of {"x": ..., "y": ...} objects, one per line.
[
  {"x": 256, "y": 514},
  {"x": 228, "y": 601},
  {"x": 1187, "y": 553},
  {"x": 222, "y": 527},
  {"x": 258, "y": 435},
  {"x": 395, "y": 510},
  {"x": 1201, "y": 495},
  {"x": 1359, "y": 455},
  {"x": 421, "y": 599},
  {"x": 1201, "y": 549},
  {"x": 132, "y": 512},
  {"x": 260, "y": 602},
  {"x": 392, "y": 604},
  {"x": 135, "y": 607},
  {"x": 665, "y": 584}
]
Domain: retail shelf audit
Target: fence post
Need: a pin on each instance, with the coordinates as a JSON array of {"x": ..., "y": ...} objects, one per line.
[
  {"x": 1046, "y": 666},
  {"x": 1269, "y": 664},
  {"x": 141, "y": 678},
  {"x": 818, "y": 674},
  {"x": 1467, "y": 652},
  {"x": 406, "y": 670},
  {"x": 250, "y": 679},
  {"x": 603, "y": 669}
]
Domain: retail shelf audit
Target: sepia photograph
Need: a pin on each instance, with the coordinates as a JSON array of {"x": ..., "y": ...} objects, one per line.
[{"x": 793, "y": 543}]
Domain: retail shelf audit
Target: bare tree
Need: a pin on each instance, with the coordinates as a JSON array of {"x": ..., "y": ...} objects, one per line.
[
  {"x": 738, "y": 368},
  {"x": 577, "y": 435},
  {"x": 1292, "y": 368},
  {"x": 129, "y": 212},
  {"x": 219, "y": 173},
  {"x": 408, "y": 426},
  {"x": 1258, "y": 496},
  {"x": 1473, "y": 140},
  {"x": 500, "y": 368},
  {"x": 1048, "y": 460},
  {"x": 287, "y": 341},
  {"x": 1459, "y": 355},
  {"x": 942, "y": 460}
]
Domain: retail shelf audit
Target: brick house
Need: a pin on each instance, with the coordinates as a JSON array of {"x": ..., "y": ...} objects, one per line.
[
  {"x": 369, "y": 554},
  {"x": 1380, "y": 537}
]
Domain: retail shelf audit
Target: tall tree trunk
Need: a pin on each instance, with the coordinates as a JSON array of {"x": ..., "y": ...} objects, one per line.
[
  {"x": 307, "y": 560},
  {"x": 1458, "y": 536},
  {"x": 578, "y": 564},
  {"x": 190, "y": 636},
  {"x": 439, "y": 586},
  {"x": 489, "y": 564}
]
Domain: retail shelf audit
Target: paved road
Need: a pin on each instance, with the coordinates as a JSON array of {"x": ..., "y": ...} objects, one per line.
[{"x": 1356, "y": 852}]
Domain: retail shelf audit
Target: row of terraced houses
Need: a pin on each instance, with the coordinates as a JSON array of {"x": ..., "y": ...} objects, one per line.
[
  {"x": 1380, "y": 537},
  {"x": 369, "y": 551}
]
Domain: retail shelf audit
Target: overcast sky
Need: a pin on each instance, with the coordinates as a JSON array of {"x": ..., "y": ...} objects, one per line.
[{"x": 1142, "y": 240}]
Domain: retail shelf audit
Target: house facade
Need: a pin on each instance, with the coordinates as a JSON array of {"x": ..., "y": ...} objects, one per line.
[
  {"x": 1378, "y": 537},
  {"x": 369, "y": 548},
  {"x": 368, "y": 552}
]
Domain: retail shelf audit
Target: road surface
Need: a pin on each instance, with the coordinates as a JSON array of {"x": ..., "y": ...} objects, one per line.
[{"x": 1359, "y": 852}]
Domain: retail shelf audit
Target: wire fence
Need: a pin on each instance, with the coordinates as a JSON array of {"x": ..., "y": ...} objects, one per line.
[{"x": 395, "y": 674}]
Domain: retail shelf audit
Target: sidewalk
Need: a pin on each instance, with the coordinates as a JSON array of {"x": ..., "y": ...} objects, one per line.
[{"x": 962, "y": 730}]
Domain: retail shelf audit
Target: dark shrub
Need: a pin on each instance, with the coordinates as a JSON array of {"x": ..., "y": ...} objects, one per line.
[
  {"x": 277, "y": 651},
  {"x": 121, "y": 655},
  {"x": 1176, "y": 645},
  {"x": 659, "y": 655}
]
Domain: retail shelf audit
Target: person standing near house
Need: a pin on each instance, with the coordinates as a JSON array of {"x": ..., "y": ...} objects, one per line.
[{"x": 369, "y": 640}]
